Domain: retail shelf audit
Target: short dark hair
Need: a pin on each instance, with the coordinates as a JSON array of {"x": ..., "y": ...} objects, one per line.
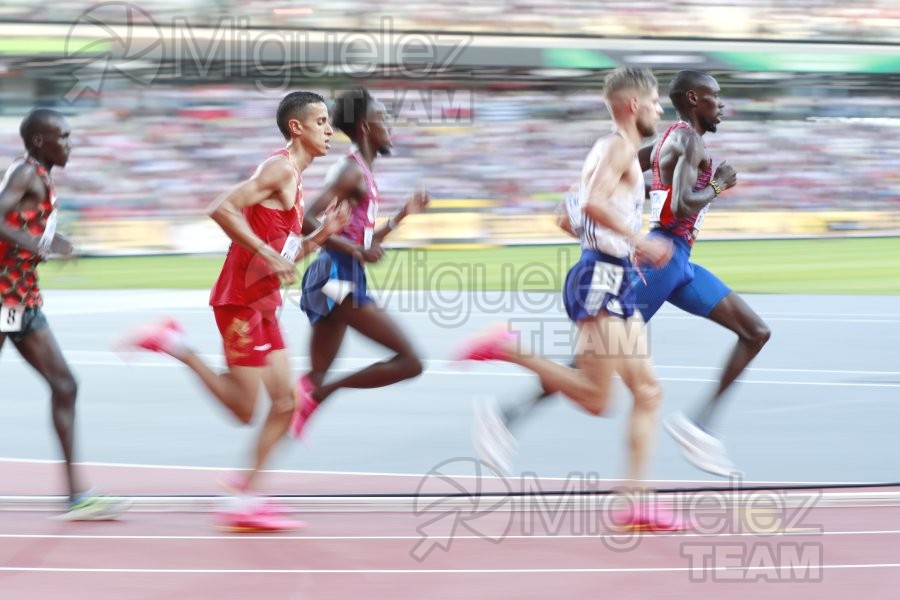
[
  {"x": 35, "y": 121},
  {"x": 350, "y": 109},
  {"x": 685, "y": 81},
  {"x": 292, "y": 107}
]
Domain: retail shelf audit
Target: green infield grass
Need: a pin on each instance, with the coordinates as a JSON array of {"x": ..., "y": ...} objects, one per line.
[{"x": 821, "y": 266}]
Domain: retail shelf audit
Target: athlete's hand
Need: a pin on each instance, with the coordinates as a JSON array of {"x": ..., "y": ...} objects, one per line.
[
  {"x": 726, "y": 176},
  {"x": 61, "y": 248},
  {"x": 562, "y": 219},
  {"x": 373, "y": 254},
  {"x": 337, "y": 217},
  {"x": 417, "y": 203},
  {"x": 279, "y": 265},
  {"x": 653, "y": 251}
]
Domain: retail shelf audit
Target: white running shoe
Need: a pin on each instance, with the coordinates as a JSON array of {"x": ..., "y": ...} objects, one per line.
[
  {"x": 704, "y": 451},
  {"x": 494, "y": 442}
]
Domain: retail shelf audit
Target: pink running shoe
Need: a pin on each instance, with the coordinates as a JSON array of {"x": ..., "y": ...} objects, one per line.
[
  {"x": 488, "y": 346},
  {"x": 648, "y": 517},
  {"x": 259, "y": 519},
  {"x": 166, "y": 337},
  {"x": 306, "y": 406}
]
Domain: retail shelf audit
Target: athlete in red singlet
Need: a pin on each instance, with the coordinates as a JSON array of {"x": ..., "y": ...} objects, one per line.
[
  {"x": 262, "y": 216},
  {"x": 335, "y": 292},
  {"x": 28, "y": 236}
]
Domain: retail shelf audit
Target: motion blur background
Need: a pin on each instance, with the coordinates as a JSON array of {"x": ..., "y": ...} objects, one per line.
[{"x": 169, "y": 110}]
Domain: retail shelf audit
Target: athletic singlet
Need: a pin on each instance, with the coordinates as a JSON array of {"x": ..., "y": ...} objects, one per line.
[
  {"x": 661, "y": 215},
  {"x": 363, "y": 215},
  {"x": 245, "y": 279},
  {"x": 628, "y": 207},
  {"x": 18, "y": 267}
]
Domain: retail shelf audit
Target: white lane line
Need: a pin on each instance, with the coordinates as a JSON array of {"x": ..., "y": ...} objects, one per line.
[
  {"x": 696, "y": 482},
  {"x": 474, "y": 373},
  {"x": 781, "y": 568},
  {"x": 108, "y": 357},
  {"x": 372, "y": 538},
  {"x": 114, "y": 361}
]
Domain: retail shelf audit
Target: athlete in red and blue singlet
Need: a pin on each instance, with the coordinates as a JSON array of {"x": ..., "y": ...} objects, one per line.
[
  {"x": 682, "y": 283},
  {"x": 661, "y": 214},
  {"x": 684, "y": 186},
  {"x": 335, "y": 294}
]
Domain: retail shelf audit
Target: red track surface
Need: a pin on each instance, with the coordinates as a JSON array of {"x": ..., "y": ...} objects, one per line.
[{"x": 843, "y": 552}]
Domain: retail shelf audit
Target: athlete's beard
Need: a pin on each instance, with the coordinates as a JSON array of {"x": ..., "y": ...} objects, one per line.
[{"x": 645, "y": 129}]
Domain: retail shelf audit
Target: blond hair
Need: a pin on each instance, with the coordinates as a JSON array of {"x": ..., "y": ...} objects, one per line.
[{"x": 625, "y": 79}]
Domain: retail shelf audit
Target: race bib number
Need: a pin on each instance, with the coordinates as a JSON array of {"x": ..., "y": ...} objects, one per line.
[
  {"x": 657, "y": 201},
  {"x": 700, "y": 216},
  {"x": 367, "y": 237},
  {"x": 49, "y": 232},
  {"x": 292, "y": 247},
  {"x": 605, "y": 280},
  {"x": 11, "y": 318}
]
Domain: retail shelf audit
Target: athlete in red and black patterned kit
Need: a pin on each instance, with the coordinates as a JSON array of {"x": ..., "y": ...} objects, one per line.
[
  {"x": 263, "y": 217},
  {"x": 27, "y": 237},
  {"x": 335, "y": 295}
]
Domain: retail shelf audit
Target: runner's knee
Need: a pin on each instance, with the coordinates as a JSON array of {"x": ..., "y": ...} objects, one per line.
[
  {"x": 64, "y": 389},
  {"x": 760, "y": 334},
  {"x": 412, "y": 366},
  {"x": 648, "y": 395},
  {"x": 283, "y": 405}
]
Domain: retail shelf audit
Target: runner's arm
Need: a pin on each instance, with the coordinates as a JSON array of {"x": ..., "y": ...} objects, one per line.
[
  {"x": 685, "y": 201},
  {"x": 417, "y": 203},
  {"x": 645, "y": 156},
  {"x": 344, "y": 186},
  {"x": 615, "y": 163},
  {"x": 270, "y": 180},
  {"x": 13, "y": 189}
]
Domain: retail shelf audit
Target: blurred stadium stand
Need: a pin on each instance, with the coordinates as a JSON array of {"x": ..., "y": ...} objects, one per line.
[{"x": 498, "y": 135}]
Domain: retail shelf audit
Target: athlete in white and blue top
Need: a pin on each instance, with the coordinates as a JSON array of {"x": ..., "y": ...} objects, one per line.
[
  {"x": 598, "y": 295},
  {"x": 602, "y": 279}
]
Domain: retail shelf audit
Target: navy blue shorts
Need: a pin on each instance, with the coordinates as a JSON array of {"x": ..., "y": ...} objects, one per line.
[
  {"x": 329, "y": 280},
  {"x": 598, "y": 282},
  {"x": 688, "y": 286}
]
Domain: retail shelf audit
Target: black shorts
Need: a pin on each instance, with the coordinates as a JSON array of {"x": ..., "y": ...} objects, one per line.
[{"x": 33, "y": 320}]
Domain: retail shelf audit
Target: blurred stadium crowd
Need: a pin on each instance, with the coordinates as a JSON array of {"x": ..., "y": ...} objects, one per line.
[
  {"x": 169, "y": 151},
  {"x": 867, "y": 20}
]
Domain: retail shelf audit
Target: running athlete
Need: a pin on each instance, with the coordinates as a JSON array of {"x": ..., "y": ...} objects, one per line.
[
  {"x": 599, "y": 289},
  {"x": 683, "y": 188},
  {"x": 335, "y": 292},
  {"x": 27, "y": 237},
  {"x": 262, "y": 216}
]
